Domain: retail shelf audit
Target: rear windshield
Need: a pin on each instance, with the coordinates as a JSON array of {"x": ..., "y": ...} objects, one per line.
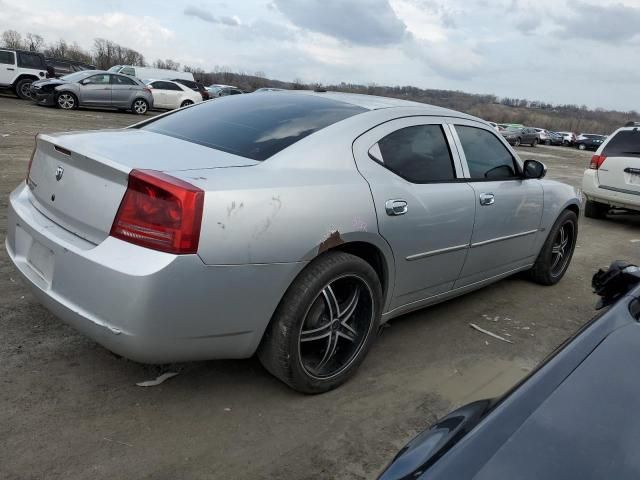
[
  {"x": 625, "y": 143},
  {"x": 253, "y": 126}
]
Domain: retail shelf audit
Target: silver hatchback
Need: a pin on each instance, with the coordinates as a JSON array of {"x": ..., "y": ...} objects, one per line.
[
  {"x": 291, "y": 224},
  {"x": 93, "y": 88}
]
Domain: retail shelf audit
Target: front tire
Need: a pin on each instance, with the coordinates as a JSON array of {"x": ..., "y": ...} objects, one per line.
[
  {"x": 324, "y": 325},
  {"x": 534, "y": 143},
  {"x": 555, "y": 256},
  {"x": 518, "y": 142},
  {"x": 595, "y": 209},
  {"x": 139, "y": 106},
  {"x": 547, "y": 142},
  {"x": 582, "y": 146},
  {"x": 67, "y": 101}
]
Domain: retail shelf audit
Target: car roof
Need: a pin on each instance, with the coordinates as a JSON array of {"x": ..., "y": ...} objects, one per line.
[{"x": 373, "y": 102}]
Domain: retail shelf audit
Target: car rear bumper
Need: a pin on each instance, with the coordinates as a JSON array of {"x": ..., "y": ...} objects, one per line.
[
  {"x": 149, "y": 306},
  {"x": 612, "y": 196}
]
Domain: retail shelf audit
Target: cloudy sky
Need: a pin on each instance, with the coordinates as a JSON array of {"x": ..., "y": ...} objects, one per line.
[{"x": 574, "y": 51}]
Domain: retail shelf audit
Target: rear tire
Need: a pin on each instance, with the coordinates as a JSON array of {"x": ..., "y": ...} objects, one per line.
[
  {"x": 139, "y": 106},
  {"x": 582, "y": 146},
  {"x": 325, "y": 324},
  {"x": 518, "y": 142},
  {"x": 534, "y": 143},
  {"x": 186, "y": 103},
  {"x": 595, "y": 209},
  {"x": 23, "y": 88},
  {"x": 555, "y": 256}
]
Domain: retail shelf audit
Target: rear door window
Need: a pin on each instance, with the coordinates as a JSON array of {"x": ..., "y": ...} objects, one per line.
[
  {"x": 7, "y": 58},
  {"x": 419, "y": 154},
  {"x": 253, "y": 126},
  {"x": 128, "y": 71},
  {"x": 122, "y": 80},
  {"x": 31, "y": 60},
  {"x": 626, "y": 143},
  {"x": 487, "y": 157}
]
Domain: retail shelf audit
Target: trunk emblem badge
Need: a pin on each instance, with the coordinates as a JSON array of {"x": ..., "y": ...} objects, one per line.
[{"x": 59, "y": 173}]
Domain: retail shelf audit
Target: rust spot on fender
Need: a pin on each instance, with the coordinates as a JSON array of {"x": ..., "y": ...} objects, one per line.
[{"x": 333, "y": 240}]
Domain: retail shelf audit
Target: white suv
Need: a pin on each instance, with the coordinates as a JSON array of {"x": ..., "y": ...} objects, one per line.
[
  {"x": 19, "y": 68},
  {"x": 613, "y": 177}
]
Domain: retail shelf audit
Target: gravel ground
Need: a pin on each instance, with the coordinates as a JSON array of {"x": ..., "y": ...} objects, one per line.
[{"x": 71, "y": 410}]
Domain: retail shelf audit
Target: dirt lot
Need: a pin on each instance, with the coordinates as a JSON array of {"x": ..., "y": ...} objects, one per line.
[{"x": 71, "y": 410}]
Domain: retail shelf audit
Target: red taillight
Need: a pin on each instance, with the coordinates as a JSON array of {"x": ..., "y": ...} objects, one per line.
[
  {"x": 160, "y": 212},
  {"x": 597, "y": 161},
  {"x": 147, "y": 89}
]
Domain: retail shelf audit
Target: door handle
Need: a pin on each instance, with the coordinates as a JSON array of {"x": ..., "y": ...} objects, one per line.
[
  {"x": 12, "y": 69},
  {"x": 396, "y": 207},
  {"x": 487, "y": 199}
]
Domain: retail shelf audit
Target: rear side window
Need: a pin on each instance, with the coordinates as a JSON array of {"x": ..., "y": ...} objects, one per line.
[
  {"x": 625, "y": 143},
  {"x": 128, "y": 71},
  {"x": 31, "y": 60},
  {"x": 7, "y": 58},
  {"x": 253, "y": 126},
  {"x": 487, "y": 157},
  {"x": 122, "y": 80},
  {"x": 419, "y": 154}
]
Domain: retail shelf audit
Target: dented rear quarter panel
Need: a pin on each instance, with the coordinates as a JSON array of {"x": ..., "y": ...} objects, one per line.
[{"x": 291, "y": 207}]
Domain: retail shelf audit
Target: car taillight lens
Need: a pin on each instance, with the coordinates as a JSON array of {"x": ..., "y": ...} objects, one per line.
[
  {"x": 160, "y": 212},
  {"x": 597, "y": 161}
]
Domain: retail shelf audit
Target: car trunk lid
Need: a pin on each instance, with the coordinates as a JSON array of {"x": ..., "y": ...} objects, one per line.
[{"x": 78, "y": 180}]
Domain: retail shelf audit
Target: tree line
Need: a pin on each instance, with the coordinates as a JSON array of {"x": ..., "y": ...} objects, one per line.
[{"x": 106, "y": 53}]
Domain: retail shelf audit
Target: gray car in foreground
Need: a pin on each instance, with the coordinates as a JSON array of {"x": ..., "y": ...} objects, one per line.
[
  {"x": 93, "y": 88},
  {"x": 287, "y": 224}
]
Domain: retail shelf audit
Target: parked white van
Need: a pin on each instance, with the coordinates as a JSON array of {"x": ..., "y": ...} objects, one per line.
[{"x": 145, "y": 73}]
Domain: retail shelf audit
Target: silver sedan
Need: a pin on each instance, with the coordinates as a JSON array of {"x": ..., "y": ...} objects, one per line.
[
  {"x": 93, "y": 88},
  {"x": 287, "y": 224}
]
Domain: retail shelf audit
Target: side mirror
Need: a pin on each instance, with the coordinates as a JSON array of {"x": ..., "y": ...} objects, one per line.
[{"x": 534, "y": 169}]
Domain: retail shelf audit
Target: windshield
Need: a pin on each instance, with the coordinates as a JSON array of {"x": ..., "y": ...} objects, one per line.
[
  {"x": 253, "y": 126},
  {"x": 114, "y": 69},
  {"x": 77, "y": 76}
]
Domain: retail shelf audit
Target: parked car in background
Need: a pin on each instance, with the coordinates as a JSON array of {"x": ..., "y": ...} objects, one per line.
[
  {"x": 93, "y": 88},
  {"x": 195, "y": 86},
  {"x": 143, "y": 73},
  {"x": 589, "y": 141},
  {"x": 569, "y": 419},
  {"x": 223, "y": 90},
  {"x": 269, "y": 89},
  {"x": 544, "y": 136},
  {"x": 555, "y": 138},
  {"x": 59, "y": 67},
  {"x": 19, "y": 68},
  {"x": 613, "y": 177},
  {"x": 170, "y": 95},
  {"x": 507, "y": 125},
  {"x": 495, "y": 126},
  {"x": 517, "y": 136},
  {"x": 192, "y": 212},
  {"x": 568, "y": 138}
]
